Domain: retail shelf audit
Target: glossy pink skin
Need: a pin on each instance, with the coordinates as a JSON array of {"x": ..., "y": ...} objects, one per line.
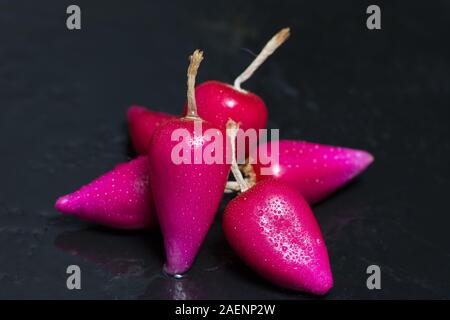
[
  {"x": 142, "y": 122},
  {"x": 119, "y": 199},
  {"x": 217, "y": 102},
  {"x": 187, "y": 196},
  {"x": 272, "y": 228},
  {"x": 315, "y": 170}
]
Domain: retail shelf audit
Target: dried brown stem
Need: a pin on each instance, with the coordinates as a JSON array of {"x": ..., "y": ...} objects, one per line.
[
  {"x": 232, "y": 129},
  {"x": 276, "y": 41},
  {"x": 196, "y": 58}
]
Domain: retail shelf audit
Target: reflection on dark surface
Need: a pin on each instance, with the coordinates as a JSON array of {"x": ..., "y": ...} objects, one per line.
[
  {"x": 118, "y": 252},
  {"x": 166, "y": 287}
]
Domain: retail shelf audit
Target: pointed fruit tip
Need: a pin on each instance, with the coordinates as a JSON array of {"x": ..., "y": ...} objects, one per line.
[
  {"x": 364, "y": 159},
  {"x": 134, "y": 111},
  {"x": 324, "y": 285},
  {"x": 64, "y": 205}
]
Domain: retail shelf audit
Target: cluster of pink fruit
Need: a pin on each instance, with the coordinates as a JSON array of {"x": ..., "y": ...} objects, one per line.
[{"x": 269, "y": 224}]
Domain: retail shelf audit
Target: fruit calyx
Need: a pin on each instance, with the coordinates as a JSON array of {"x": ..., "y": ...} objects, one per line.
[{"x": 249, "y": 176}]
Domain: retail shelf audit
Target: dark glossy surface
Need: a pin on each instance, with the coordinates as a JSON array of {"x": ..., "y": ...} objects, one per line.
[{"x": 63, "y": 97}]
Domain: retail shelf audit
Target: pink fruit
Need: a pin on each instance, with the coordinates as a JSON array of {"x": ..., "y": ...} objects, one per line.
[
  {"x": 272, "y": 228},
  {"x": 120, "y": 198},
  {"x": 187, "y": 196},
  {"x": 218, "y": 101},
  {"x": 315, "y": 170},
  {"x": 142, "y": 122}
]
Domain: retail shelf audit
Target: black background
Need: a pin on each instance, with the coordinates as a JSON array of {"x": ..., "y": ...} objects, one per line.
[{"x": 63, "y": 97}]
